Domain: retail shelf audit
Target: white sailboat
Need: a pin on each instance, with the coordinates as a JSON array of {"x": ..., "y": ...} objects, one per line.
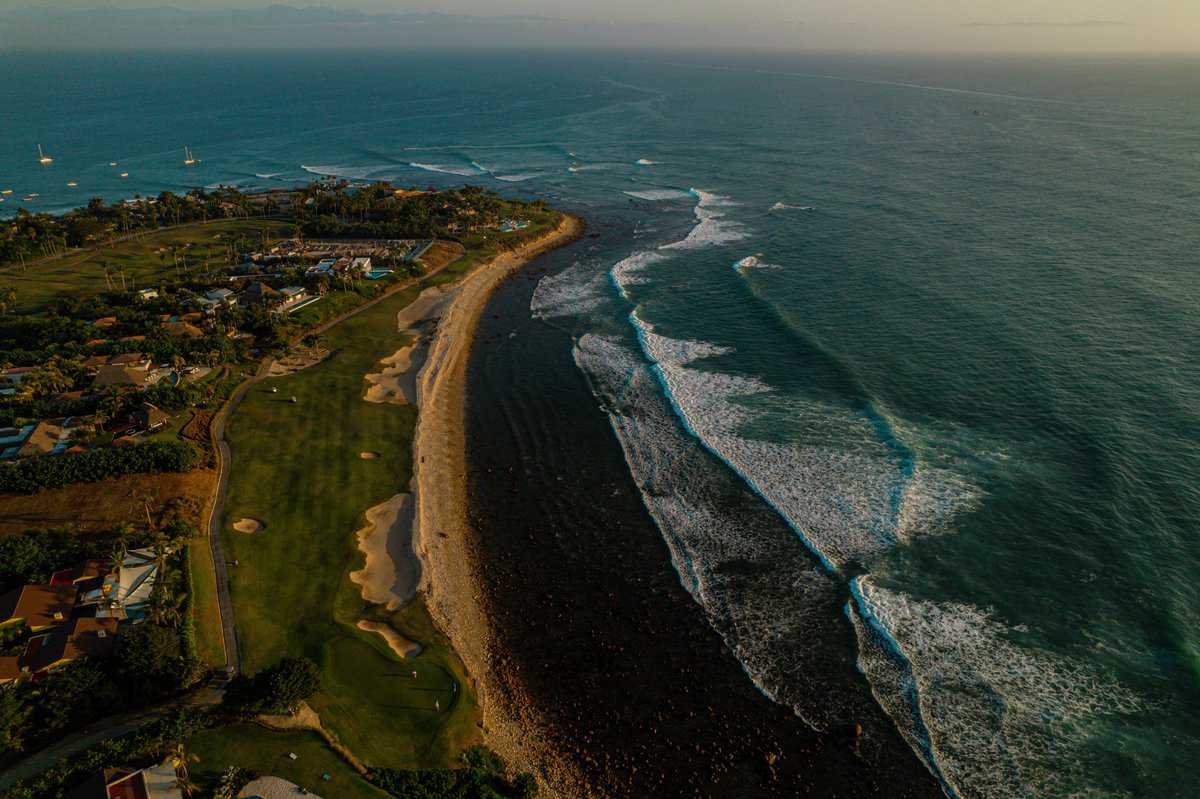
[
  {"x": 188, "y": 158},
  {"x": 43, "y": 158}
]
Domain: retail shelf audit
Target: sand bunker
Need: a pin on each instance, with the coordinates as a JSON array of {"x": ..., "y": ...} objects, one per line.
[
  {"x": 298, "y": 358},
  {"x": 399, "y": 644},
  {"x": 272, "y": 788},
  {"x": 369, "y": 456},
  {"x": 397, "y": 382},
  {"x": 392, "y": 571},
  {"x": 248, "y": 525}
]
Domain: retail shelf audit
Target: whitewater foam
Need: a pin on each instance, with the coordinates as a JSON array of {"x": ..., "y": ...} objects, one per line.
[
  {"x": 752, "y": 262},
  {"x": 448, "y": 169},
  {"x": 758, "y": 586},
  {"x": 781, "y": 206},
  {"x": 655, "y": 195},
  {"x": 578, "y": 289},
  {"x": 711, "y": 228},
  {"x": 992, "y": 717},
  {"x": 339, "y": 171},
  {"x": 627, "y": 271},
  {"x": 515, "y": 178},
  {"x": 645, "y": 162}
]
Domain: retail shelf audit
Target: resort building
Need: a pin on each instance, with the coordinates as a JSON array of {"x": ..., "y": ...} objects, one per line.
[
  {"x": 112, "y": 375},
  {"x": 125, "y": 594},
  {"x": 37, "y": 606},
  {"x": 260, "y": 295},
  {"x": 360, "y": 266}
]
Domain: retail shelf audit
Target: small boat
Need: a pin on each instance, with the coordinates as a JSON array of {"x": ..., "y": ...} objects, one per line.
[
  {"x": 188, "y": 158},
  {"x": 112, "y": 163},
  {"x": 43, "y": 158},
  {"x": 29, "y": 197},
  {"x": 124, "y": 174},
  {"x": 6, "y": 191},
  {"x": 71, "y": 184}
]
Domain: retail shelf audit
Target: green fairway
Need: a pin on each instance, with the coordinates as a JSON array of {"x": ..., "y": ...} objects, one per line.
[
  {"x": 268, "y": 753},
  {"x": 296, "y": 467},
  {"x": 144, "y": 260}
]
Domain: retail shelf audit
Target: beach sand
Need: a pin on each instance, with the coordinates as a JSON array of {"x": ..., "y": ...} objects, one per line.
[
  {"x": 399, "y": 644},
  {"x": 443, "y": 539}
]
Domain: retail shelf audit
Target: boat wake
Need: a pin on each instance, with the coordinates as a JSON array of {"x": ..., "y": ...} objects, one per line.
[{"x": 448, "y": 169}]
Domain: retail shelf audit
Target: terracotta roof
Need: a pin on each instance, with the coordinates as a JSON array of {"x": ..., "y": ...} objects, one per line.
[
  {"x": 259, "y": 293},
  {"x": 105, "y": 321},
  {"x": 82, "y": 637},
  {"x": 120, "y": 376},
  {"x": 133, "y": 338},
  {"x": 39, "y": 605},
  {"x": 127, "y": 358},
  {"x": 10, "y": 668}
]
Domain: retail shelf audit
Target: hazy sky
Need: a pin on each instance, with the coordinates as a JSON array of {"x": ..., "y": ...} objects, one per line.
[{"x": 921, "y": 25}]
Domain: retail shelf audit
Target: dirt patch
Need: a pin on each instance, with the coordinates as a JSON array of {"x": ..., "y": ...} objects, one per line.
[
  {"x": 104, "y": 504},
  {"x": 196, "y": 430},
  {"x": 369, "y": 456},
  {"x": 298, "y": 358},
  {"x": 398, "y": 643},
  {"x": 441, "y": 254},
  {"x": 249, "y": 525}
]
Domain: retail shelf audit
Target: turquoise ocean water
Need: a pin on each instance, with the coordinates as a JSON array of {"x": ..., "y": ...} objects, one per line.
[{"x": 937, "y": 315}]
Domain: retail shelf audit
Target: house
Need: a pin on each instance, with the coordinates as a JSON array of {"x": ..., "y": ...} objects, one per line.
[
  {"x": 125, "y": 593},
  {"x": 12, "y": 439},
  {"x": 155, "y": 782},
  {"x": 46, "y": 438},
  {"x": 145, "y": 295},
  {"x": 292, "y": 295},
  {"x": 85, "y": 636},
  {"x": 135, "y": 360},
  {"x": 11, "y": 379},
  {"x": 182, "y": 330},
  {"x": 38, "y": 606},
  {"x": 110, "y": 375},
  {"x": 220, "y": 296},
  {"x": 360, "y": 266},
  {"x": 323, "y": 267},
  {"x": 260, "y": 295},
  {"x": 149, "y": 417},
  {"x": 104, "y": 322}
]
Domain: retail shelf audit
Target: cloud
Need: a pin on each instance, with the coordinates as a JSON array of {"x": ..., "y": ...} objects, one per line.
[{"x": 1081, "y": 23}]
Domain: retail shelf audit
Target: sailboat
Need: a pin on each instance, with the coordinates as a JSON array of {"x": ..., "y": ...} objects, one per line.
[
  {"x": 43, "y": 158},
  {"x": 188, "y": 158},
  {"x": 71, "y": 184}
]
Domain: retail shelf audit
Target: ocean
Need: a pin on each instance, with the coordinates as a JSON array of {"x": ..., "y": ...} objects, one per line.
[{"x": 899, "y": 352}]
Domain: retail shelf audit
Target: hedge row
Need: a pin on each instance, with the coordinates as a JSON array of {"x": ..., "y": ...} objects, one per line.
[{"x": 52, "y": 471}]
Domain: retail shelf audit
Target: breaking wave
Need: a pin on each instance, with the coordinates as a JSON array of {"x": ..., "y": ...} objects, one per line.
[
  {"x": 338, "y": 171},
  {"x": 785, "y": 207},
  {"x": 574, "y": 291},
  {"x": 712, "y": 228},
  {"x": 759, "y": 588},
  {"x": 752, "y": 262},
  {"x": 515, "y": 178},
  {"x": 991, "y": 717},
  {"x": 627, "y": 272},
  {"x": 654, "y": 195},
  {"x": 845, "y": 492},
  {"x": 448, "y": 169}
]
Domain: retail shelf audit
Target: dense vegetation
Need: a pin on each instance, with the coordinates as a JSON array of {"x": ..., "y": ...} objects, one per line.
[
  {"x": 35, "y": 235},
  {"x": 30, "y": 475}
]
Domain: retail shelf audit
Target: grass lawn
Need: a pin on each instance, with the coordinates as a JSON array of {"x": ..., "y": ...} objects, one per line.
[
  {"x": 297, "y": 468},
  {"x": 205, "y": 613},
  {"x": 266, "y": 752},
  {"x": 82, "y": 274}
]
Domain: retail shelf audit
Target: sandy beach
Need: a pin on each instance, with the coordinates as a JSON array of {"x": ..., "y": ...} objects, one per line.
[{"x": 443, "y": 539}]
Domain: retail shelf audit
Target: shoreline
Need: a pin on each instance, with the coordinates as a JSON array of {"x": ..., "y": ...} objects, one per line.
[{"x": 443, "y": 539}]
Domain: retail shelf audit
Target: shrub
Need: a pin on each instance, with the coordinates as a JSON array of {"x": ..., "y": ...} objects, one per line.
[{"x": 53, "y": 471}]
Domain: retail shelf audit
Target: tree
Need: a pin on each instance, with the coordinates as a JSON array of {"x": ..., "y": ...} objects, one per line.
[
  {"x": 14, "y": 716},
  {"x": 8, "y": 298},
  {"x": 151, "y": 655},
  {"x": 278, "y": 688}
]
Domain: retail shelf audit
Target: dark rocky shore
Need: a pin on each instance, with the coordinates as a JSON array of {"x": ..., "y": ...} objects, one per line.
[{"x": 590, "y": 618}]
